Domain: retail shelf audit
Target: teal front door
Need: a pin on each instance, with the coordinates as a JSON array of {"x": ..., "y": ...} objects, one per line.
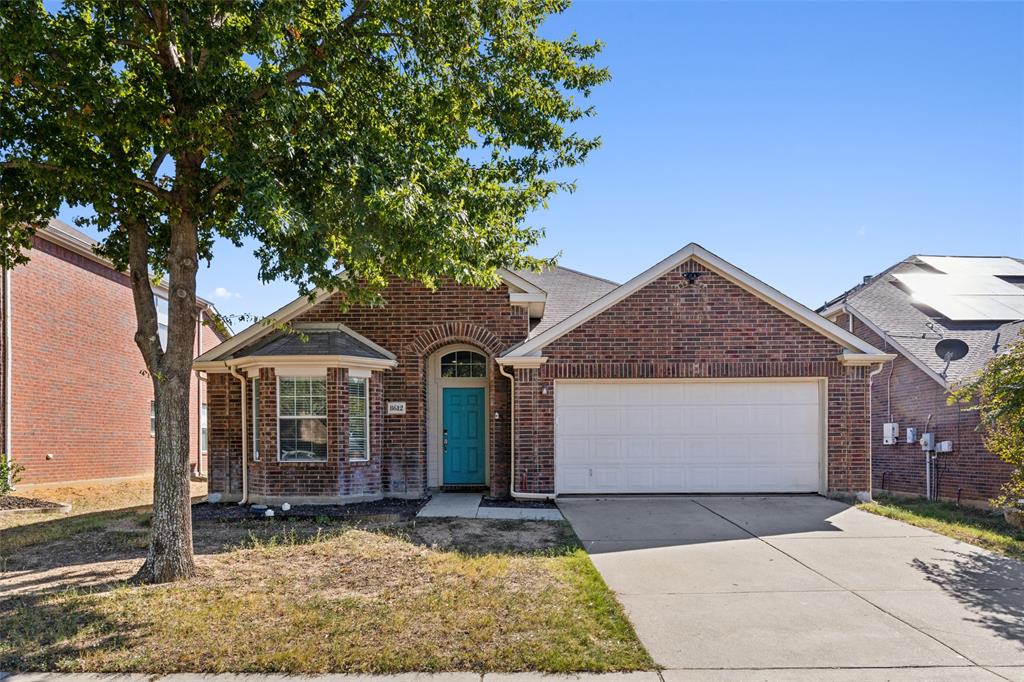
[{"x": 462, "y": 438}]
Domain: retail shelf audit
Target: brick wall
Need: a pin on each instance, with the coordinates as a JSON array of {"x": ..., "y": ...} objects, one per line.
[
  {"x": 905, "y": 394},
  {"x": 78, "y": 390},
  {"x": 671, "y": 329},
  {"x": 413, "y": 324}
]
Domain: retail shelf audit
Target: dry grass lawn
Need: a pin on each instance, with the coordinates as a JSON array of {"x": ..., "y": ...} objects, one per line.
[
  {"x": 93, "y": 506},
  {"x": 300, "y": 597}
]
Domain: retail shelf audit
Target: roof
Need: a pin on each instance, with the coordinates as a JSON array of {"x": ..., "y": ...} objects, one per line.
[
  {"x": 313, "y": 341},
  {"x": 913, "y": 329},
  {"x": 857, "y": 351},
  {"x": 567, "y": 291},
  {"x": 59, "y": 232}
]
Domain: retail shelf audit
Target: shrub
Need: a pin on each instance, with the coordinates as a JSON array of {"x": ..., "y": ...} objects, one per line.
[
  {"x": 10, "y": 474},
  {"x": 998, "y": 394}
]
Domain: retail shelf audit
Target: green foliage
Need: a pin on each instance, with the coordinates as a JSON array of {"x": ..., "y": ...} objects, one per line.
[
  {"x": 10, "y": 474},
  {"x": 410, "y": 137},
  {"x": 998, "y": 394}
]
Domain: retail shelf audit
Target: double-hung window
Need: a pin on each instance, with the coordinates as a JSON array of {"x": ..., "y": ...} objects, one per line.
[
  {"x": 161, "y": 319},
  {"x": 302, "y": 419},
  {"x": 358, "y": 419}
]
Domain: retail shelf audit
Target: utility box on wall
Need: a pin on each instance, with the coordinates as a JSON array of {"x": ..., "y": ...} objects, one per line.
[
  {"x": 928, "y": 441},
  {"x": 890, "y": 433}
]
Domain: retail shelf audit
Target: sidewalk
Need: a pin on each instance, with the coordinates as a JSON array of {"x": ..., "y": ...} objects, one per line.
[
  {"x": 914, "y": 674},
  {"x": 467, "y": 506}
]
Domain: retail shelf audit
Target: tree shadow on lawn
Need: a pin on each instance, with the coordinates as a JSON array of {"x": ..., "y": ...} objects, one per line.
[
  {"x": 41, "y": 633},
  {"x": 990, "y": 586},
  {"x": 102, "y": 550}
]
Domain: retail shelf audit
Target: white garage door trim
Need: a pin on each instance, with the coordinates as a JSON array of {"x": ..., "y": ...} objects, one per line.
[{"x": 821, "y": 384}]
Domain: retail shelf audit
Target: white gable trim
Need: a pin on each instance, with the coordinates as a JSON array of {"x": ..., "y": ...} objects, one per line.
[
  {"x": 896, "y": 346},
  {"x": 727, "y": 270},
  {"x": 300, "y": 305}
]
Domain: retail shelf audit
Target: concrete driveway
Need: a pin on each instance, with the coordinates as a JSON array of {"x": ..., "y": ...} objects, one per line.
[{"x": 760, "y": 587}]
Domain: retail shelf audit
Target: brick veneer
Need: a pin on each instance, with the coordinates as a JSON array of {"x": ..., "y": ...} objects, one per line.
[
  {"x": 671, "y": 329},
  {"x": 414, "y": 323},
  {"x": 905, "y": 394},
  {"x": 78, "y": 388}
]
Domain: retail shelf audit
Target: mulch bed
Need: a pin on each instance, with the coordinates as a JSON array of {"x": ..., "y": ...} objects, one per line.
[
  {"x": 510, "y": 503},
  {"x": 14, "y": 503},
  {"x": 384, "y": 510}
]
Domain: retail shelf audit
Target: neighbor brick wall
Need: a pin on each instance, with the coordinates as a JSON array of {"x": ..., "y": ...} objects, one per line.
[
  {"x": 905, "y": 394},
  {"x": 711, "y": 329},
  {"x": 79, "y": 392},
  {"x": 413, "y": 324}
]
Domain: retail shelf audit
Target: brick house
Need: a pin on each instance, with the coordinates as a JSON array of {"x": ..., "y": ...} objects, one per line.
[
  {"x": 909, "y": 309},
  {"x": 692, "y": 377},
  {"x": 68, "y": 318}
]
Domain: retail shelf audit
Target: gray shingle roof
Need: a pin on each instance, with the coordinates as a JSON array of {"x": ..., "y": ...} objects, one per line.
[
  {"x": 568, "y": 291},
  {"x": 313, "y": 342},
  {"x": 918, "y": 328}
]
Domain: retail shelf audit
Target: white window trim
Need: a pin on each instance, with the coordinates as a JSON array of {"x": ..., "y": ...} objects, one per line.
[
  {"x": 204, "y": 425},
  {"x": 278, "y": 421},
  {"x": 255, "y": 397},
  {"x": 366, "y": 398}
]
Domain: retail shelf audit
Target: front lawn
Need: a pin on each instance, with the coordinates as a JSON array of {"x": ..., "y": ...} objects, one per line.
[
  {"x": 981, "y": 528},
  {"x": 302, "y": 597}
]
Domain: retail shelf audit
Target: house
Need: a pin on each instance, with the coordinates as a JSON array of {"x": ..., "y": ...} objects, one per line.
[
  {"x": 77, "y": 404},
  {"x": 943, "y": 317},
  {"x": 691, "y": 377}
]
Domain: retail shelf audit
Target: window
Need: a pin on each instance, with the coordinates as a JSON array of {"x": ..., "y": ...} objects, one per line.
[
  {"x": 255, "y": 420},
  {"x": 302, "y": 419},
  {"x": 152, "y": 417},
  {"x": 463, "y": 363},
  {"x": 161, "y": 319},
  {"x": 358, "y": 419},
  {"x": 204, "y": 429}
]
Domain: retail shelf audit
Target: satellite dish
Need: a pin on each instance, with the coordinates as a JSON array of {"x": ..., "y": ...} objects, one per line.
[{"x": 951, "y": 349}]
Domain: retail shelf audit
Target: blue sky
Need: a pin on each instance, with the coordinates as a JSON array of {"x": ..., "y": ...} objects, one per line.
[{"x": 808, "y": 143}]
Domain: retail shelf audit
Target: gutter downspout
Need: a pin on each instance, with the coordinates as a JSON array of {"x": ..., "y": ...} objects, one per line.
[
  {"x": 245, "y": 440},
  {"x": 512, "y": 465},
  {"x": 871, "y": 380},
  {"x": 8, "y": 361}
]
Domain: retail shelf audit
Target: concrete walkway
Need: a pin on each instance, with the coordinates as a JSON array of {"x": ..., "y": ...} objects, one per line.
[
  {"x": 467, "y": 506},
  {"x": 934, "y": 674},
  {"x": 802, "y": 588}
]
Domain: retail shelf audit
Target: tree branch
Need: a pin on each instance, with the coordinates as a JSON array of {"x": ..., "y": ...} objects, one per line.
[
  {"x": 215, "y": 190},
  {"x": 298, "y": 72},
  {"x": 147, "y": 335},
  {"x": 147, "y": 185},
  {"x": 158, "y": 160}
]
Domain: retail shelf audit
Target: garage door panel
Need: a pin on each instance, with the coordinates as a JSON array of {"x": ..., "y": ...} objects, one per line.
[{"x": 687, "y": 437}]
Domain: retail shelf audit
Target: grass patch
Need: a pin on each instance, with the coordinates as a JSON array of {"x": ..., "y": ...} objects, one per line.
[
  {"x": 344, "y": 600},
  {"x": 977, "y": 527}
]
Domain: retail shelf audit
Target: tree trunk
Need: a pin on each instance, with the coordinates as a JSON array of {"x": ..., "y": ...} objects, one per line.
[{"x": 170, "y": 549}]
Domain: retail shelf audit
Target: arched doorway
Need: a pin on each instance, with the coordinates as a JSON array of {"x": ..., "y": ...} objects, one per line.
[{"x": 457, "y": 411}]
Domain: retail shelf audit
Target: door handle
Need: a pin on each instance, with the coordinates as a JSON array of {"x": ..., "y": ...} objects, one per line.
[{"x": 444, "y": 440}]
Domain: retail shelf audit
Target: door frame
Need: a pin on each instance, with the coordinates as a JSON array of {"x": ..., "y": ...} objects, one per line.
[
  {"x": 435, "y": 413},
  {"x": 822, "y": 384}
]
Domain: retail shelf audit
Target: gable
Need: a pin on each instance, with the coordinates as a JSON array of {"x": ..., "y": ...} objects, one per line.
[
  {"x": 709, "y": 320},
  {"x": 694, "y": 257}
]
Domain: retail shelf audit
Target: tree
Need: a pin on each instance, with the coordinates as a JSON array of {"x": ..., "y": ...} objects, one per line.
[
  {"x": 405, "y": 138},
  {"x": 998, "y": 394}
]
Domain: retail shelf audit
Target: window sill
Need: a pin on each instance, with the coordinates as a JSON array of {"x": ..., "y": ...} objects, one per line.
[
  {"x": 301, "y": 461},
  {"x": 358, "y": 460}
]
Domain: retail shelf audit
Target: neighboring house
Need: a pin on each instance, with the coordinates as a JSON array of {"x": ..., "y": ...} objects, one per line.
[
  {"x": 77, "y": 402},
  {"x": 691, "y": 377},
  {"x": 909, "y": 309}
]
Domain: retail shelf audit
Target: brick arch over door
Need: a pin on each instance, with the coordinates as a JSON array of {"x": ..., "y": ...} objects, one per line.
[{"x": 431, "y": 340}]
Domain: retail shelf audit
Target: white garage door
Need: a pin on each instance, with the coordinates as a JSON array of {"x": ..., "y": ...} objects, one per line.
[{"x": 697, "y": 436}]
